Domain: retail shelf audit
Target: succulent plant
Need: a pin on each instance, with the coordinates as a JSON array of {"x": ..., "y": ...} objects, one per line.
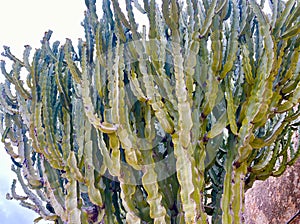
[{"x": 166, "y": 123}]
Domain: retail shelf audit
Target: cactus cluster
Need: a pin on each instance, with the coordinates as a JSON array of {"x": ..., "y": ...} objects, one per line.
[{"x": 166, "y": 123}]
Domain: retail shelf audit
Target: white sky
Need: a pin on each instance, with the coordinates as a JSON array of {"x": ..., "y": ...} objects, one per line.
[{"x": 24, "y": 22}]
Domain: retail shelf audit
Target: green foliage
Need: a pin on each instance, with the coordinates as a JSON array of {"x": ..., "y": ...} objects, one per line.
[{"x": 169, "y": 125}]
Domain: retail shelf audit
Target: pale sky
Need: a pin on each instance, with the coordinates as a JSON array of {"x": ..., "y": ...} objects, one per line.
[{"x": 24, "y": 22}]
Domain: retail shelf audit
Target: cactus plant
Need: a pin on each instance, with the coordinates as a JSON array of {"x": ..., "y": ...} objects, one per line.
[{"x": 168, "y": 123}]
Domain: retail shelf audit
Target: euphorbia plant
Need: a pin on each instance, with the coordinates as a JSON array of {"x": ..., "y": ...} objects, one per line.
[{"x": 168, "y": 123}]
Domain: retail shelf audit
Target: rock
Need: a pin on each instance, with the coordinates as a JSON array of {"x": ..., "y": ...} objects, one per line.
[{"x": 275, "y": 200}]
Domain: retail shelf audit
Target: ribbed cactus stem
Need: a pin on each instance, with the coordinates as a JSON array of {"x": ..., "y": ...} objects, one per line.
[{"x": 168, "y": 122}]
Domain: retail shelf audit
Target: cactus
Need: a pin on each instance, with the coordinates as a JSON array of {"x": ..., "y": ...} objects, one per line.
[{"x": 166, "y": 125}]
